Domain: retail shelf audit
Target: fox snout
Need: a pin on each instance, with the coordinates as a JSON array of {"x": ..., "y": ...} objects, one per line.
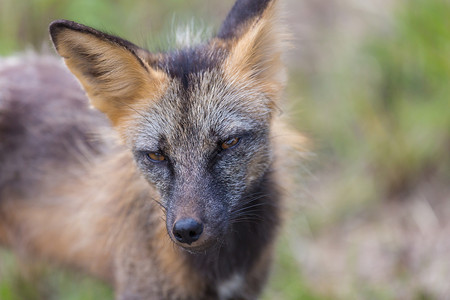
[
  {"x": 187, "y": 230},
  {"x": 194, "y": 227},
  {"x": 194, "y": 234},
  {"x": 196, "y": 218}
]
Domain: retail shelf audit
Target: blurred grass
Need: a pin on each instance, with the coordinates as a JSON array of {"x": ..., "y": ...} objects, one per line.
[
  {"x": 25, "y": 23},
  {"x": 287, "y": 281},
  {"x": 379, "y": 115},
  {"x": 36, "y": 281}
]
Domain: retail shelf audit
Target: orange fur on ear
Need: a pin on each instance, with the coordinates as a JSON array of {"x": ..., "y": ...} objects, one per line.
[
  {"x": 116, "y": 79},
  {"x": 255, "y": 54}
]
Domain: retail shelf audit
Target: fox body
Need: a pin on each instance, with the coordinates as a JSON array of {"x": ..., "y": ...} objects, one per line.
[{"x": 169, "y": 189}]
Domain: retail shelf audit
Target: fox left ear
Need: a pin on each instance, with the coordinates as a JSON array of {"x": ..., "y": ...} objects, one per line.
[
  {"x": 111, "y": 70},
  {"x": 255, "y": 41}
]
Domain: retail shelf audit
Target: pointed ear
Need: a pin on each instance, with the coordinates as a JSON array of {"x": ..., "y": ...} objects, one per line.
[
  {"x": 255, "y": 39},
  {"x": 114, "y": 76}
]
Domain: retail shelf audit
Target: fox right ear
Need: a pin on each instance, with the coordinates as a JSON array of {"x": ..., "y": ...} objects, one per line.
[
  {"x": 114, "y": 76},
  {"x": 255, "y": 38}
]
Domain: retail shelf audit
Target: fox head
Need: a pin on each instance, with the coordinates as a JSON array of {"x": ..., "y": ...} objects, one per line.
[{"x": 197, "y": 120}]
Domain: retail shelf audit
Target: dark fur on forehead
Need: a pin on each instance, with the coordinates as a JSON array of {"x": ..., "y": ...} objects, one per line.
[
  {"x": 182, "y": 63},
  {"x": 242, "y": 12}
]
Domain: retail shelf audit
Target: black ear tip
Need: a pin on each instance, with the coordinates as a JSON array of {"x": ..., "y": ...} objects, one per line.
[
  {"x": 58, "y": 24},
  {"x": 56, "y": 27},
  {"x": 240, "y": 14}
]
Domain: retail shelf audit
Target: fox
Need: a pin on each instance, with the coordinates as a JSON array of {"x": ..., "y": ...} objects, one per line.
[{"x": 159, "y": 173}]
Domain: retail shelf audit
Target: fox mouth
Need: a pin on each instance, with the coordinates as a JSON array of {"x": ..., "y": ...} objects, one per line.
[{"x": 202, "y": 248}]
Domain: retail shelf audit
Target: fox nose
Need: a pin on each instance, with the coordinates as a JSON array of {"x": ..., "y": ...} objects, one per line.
[{"x": 187, "y": 231}]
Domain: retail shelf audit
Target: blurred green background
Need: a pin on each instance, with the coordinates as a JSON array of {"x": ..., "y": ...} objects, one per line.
[{"x": 369, "y": 86}]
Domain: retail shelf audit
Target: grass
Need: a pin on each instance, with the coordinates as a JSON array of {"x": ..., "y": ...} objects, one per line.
[
  {"x": 34, "y": 281},
  {"x": 381, "y": 112}
]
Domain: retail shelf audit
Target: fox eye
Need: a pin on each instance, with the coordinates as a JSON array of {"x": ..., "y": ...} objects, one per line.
[
  {"x": 230, "y": 143},
  {"x": 156, "y": 156}
]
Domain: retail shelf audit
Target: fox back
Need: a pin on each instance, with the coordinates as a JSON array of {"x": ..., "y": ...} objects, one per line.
[{"x": 174, "y": 194}]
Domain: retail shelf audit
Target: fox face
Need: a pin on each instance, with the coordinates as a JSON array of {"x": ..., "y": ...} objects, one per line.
[
  {"x": 197, "y": 120},
  {"x": 203, "y": 148}
]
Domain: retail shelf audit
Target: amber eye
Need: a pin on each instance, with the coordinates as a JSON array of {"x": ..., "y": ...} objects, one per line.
[
  {"x": 230, "y": 143},
  {"x": 156, "y": 156}
]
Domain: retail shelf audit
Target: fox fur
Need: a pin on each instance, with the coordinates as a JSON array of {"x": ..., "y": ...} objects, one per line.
[{"x": 191, "y": 134}]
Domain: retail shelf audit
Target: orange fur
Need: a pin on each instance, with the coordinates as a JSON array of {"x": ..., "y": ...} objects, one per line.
[
  {"x": 256, "y": 55},
  {"x": 127, "y": 83}
]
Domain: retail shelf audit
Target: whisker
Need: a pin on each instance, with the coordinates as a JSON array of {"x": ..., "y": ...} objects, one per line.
[
  {"x": 162, "y": 206},
  {"x": 248, "y": 207},
  {"x": 251, "y": 216}
]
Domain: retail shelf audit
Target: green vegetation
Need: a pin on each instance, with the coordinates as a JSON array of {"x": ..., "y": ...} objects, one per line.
[
  {"x": 381, "y": 113},
  {"x": 23, "y": 24},
  {"x": 26, "y": 280},
  {"x": 379, "y": 116}
]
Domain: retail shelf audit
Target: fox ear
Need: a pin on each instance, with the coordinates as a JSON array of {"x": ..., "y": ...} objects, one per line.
[
  {"x": 255, "y": 41},
  {"x": 114, "y": 76}
]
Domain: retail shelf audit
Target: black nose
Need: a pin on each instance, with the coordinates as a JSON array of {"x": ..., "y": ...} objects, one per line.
[{"x": 187, "y": 230}]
